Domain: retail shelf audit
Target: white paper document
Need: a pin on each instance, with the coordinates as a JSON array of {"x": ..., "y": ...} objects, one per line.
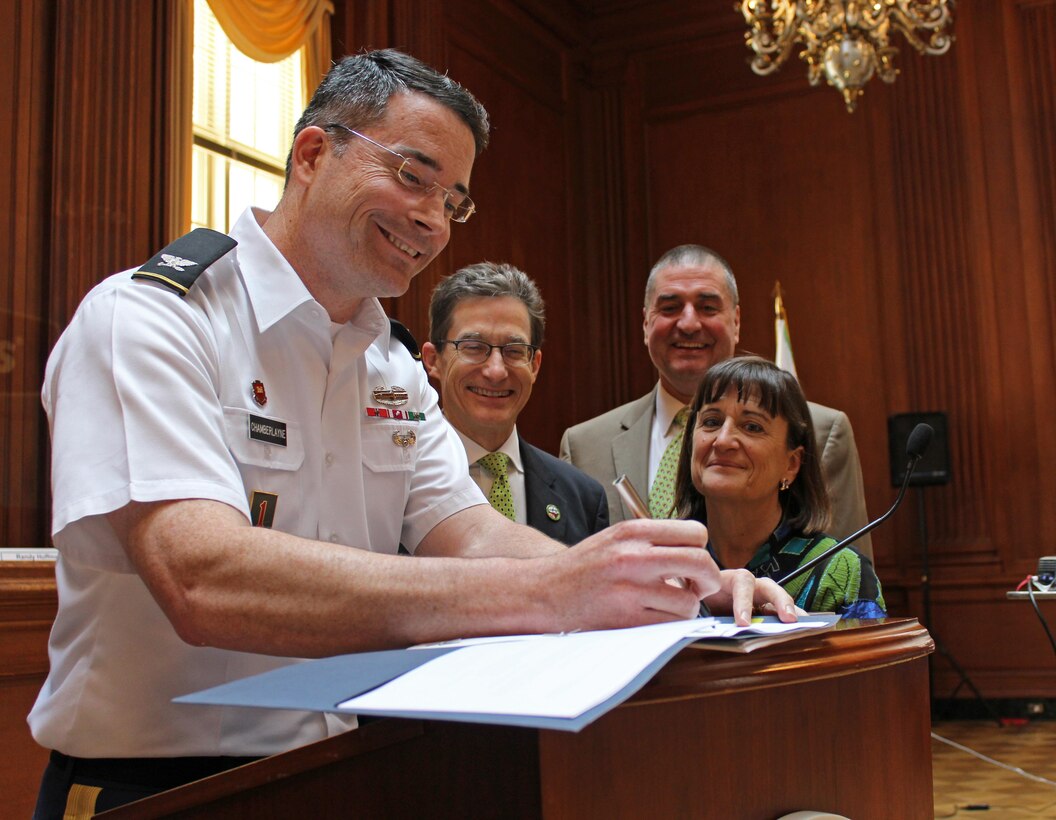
[
  {"x": 544, "y": 676},
  {"x": 722, "y": 628},
  {"x": 559, "y": 676}
]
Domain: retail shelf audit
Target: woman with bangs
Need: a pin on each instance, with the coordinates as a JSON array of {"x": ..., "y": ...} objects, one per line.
[{"x": 749, "y": 470}]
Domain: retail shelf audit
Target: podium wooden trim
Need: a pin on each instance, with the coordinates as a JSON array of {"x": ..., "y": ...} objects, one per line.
[
  {"x": 838, "y": 722},
  {"x": 27, "y": 609}
]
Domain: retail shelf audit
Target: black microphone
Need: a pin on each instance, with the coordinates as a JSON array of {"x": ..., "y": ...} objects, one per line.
[{"x": 916, "y": 445}]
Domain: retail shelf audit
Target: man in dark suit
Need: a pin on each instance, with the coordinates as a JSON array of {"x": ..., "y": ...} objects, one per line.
[
  {"x": 691, "y": 319},
  {"x": 486, "y": 330}
]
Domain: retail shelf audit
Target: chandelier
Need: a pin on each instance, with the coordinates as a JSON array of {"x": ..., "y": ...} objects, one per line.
[{"x": 844, "y": 41}]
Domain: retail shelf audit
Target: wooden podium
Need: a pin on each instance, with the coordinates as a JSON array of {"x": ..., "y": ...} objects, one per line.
[{"x": 837, "y": 722}]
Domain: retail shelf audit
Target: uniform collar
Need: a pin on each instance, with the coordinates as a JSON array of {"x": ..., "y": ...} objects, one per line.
[
  {"x": 369, "y": 324},
  {"x": 275, "y": 290}
]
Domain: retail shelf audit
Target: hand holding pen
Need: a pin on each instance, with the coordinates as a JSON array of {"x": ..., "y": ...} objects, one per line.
[
  {"x": 639, "y": 510},
  {"x": 741, "y": 591}
]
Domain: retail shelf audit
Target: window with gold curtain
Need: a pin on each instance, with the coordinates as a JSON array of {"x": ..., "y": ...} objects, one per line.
[{"x": 255, "y": 63}]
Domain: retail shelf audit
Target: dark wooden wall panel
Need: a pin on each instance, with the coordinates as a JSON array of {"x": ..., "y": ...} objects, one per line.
[
  {"x": 939, "y": 281},
  {"x": 101, "y": 209},
  {"x": 533, "y": 234},
  {"x": 25, "y": 326},
  {"x": 1035, "y": 28}
]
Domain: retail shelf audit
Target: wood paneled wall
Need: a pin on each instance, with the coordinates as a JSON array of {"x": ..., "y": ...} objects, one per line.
[
  {"x": 25, "y": 136},
  {"x": 91, "y": 152},
  {"x": 915, "y": 239},
  {"x": 914, "y": 242}
]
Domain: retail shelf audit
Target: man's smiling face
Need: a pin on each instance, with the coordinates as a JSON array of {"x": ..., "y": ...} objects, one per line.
[
  {"x": 690, "y": 324},
  {"x": 484, "y": 400},
  {"x": 362, "y": 233}
]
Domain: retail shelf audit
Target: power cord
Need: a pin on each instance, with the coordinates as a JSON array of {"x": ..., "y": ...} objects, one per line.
[
  {"x": 1006, "y": 811},
  {"x": 1037, "y": 610},
  {"x": 1014, "y": 769}
]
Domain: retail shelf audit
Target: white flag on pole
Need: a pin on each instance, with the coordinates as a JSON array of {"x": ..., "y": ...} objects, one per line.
[{"x": 783, "y": 354}]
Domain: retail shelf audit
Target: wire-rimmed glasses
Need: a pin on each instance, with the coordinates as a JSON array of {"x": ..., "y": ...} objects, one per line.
[{"x": 414, "y": 174}]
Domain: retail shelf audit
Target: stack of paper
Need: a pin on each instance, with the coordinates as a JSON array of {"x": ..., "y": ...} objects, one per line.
[{"x": 544, "y": 681}]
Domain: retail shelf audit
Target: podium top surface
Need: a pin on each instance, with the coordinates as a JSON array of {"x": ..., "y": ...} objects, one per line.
[{"x": 849, "y": 648}]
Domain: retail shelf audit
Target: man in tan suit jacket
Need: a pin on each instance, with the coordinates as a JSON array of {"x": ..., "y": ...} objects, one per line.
[{"x": 692, "y": 320}]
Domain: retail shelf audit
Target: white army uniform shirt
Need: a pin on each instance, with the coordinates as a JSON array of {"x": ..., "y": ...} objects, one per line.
[{"x": 150, "y": 397}]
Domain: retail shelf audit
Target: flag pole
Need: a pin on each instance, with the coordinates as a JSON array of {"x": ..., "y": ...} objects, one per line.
[{"x": 783, "y": 338}]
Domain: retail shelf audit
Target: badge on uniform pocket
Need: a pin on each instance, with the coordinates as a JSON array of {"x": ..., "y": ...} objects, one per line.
[{"x": 262, "y": 508}]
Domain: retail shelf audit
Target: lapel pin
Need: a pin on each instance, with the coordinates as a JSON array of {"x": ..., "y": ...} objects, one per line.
[{"x": 552, "y": 512}]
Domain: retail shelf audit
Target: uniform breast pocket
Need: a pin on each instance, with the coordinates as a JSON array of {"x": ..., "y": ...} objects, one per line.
[
  {"x": 389, "y": 446},
  {"x": 262, "y": 442}
]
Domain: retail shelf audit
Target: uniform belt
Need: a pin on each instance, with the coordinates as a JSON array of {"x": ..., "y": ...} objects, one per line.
[{"x": 148, "y": 772}]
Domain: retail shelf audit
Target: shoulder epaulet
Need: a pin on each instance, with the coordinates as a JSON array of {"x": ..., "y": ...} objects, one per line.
[
  {"x": 180, "y": 263},
  {"x": 401, "y": 332}
]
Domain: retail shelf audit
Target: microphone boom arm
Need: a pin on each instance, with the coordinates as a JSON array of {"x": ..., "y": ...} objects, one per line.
[{"x": 813, "y": 562}]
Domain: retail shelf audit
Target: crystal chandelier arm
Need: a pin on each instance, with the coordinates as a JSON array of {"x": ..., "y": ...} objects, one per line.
[
  {"x": 772, "y": 35},
  {"x": 870, "y": 22},
  {"x": 928, "y": 15}
]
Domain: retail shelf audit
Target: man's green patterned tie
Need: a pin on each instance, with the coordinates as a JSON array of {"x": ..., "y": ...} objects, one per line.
[
  {"x": 662, "y": 493},
  {"x": 500, "y": 497}
]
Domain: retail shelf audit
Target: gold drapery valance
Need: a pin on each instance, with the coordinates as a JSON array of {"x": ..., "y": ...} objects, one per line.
[{"x": 271, "y": 30}]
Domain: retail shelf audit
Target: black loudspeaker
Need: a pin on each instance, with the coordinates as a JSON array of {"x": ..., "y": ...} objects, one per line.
[{"x": 934, "y": 465}]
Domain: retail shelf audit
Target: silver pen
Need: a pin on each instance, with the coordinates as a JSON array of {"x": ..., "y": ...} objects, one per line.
[
  {"x": 634, "y": 503},
  {"x": 630, "y": 497}
]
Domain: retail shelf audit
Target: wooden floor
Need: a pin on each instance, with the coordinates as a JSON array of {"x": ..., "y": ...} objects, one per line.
[{"x": 963, "y": 780}]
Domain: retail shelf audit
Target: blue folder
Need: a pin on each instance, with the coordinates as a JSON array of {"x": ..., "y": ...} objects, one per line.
[{"x": 320, "y": 685}]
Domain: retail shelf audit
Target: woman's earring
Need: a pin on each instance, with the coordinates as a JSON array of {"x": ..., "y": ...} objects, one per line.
[{"x": 783, "y": 485}]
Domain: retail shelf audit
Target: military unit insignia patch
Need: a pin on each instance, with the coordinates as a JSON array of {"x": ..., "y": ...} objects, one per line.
[
  {"x": 260, "y": 396},
  {"x": 262, "y": 508}
]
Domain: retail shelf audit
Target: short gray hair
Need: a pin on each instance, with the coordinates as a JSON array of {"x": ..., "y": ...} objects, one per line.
[
  {"x": 356, "y": 91},
  {"x": 687, "y": 256},
  {"x": 489, "y": 279}
]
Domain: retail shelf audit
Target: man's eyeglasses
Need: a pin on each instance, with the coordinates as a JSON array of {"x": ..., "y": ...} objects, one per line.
[
  {"x": 414, "y": 174},
  {"x": 474, "y": 351}
]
